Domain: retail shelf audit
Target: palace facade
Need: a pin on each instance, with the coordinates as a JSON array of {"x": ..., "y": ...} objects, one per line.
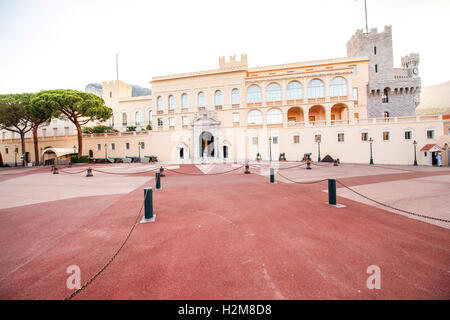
[{"x": 342, "y": 107}]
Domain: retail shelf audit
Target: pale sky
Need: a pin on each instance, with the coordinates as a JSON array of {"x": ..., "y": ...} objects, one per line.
[{"x": 48, "y": 44}]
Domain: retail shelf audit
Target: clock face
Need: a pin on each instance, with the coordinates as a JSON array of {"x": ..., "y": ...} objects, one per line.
[{"x": 415, "y": 71}]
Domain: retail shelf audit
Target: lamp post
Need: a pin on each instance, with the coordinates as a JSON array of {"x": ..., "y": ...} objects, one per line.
[
  {"x": 371, "y": 155},
  {"x": 15, "y": 156},
  {"x": 270, "y": 148},
  {"x": 318, "y": 146},
  {"x": 106, "y": 153},
  {"x": 415, "y": 152},
  {"x": 41, "y": 156},
  {"x": 139, "y": 148}
]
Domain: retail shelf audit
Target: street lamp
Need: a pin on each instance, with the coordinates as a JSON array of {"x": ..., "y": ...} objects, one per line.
[
  {"x": 270, "y": 148},
  {"x": 106, "y": 153},
  {"x": 15, "y": 156},
  {"x": 318, "y": 146},
  {"x": 371, "y": 156},
  {"x": 139, "y": 148},
  {"x": 415, "y": 152}
]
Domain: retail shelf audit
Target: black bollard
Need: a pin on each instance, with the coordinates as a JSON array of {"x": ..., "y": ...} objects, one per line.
[
  {"x": 148, "y": 203},
  {"x": 247, "y": 168},
  {"x": 161, "y": 172},
  {"x": 158, "y": 180},
  {"x": 89, "y": 172},
  {"x": 332, "y": 192},
  {"x": 272, "y": 175}
]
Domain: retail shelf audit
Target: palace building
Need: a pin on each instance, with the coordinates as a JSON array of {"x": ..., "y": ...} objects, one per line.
[{"x": 341, "y": 107}]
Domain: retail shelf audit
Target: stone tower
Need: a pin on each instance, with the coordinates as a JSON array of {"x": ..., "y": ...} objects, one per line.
[{"x": 392, "y": 92}]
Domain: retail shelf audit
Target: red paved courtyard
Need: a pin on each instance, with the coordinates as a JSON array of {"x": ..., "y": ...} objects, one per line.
[{"x": 230, "y": 236}]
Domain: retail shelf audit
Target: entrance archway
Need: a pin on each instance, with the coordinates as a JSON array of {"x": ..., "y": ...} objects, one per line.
[{"x": 206, "y": 144}]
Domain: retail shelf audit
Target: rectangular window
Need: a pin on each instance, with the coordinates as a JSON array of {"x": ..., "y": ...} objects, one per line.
[
  {"x": 127, "y": 145},
  {"x": 296, "y": 139},
  {"x": 355, "y": 94},
  {"x": 110, "y": 94},
  {"x": 55, "y": 132},
  {"x": 354, "y": 69},
  {"x": 386, "y": 135},
  {"x": 430, "y": 134},
  {"x": 375, "y": 50},
  {"x": 185, "y": 121},
  {"x": 142, "y": 145},
  {"x": 408, "y": 135},
  {"x": 99, "y": 147},
  {"x": 275, "y": 140},
  {"x": 318, "y": 138},
  {"x": 340, "y": 137},
  {"x": 364, "y": 136},
  {"x": 255, "y": 140},
  {"x": 66, "y": 131},
  {"x": 171, "y": 121},
  {"x": 160, "y": 122},
  {"x": 236, "y": 117},
  {"x": 376, "y": 68},
  {"x": 113, "y": 146},
  {"x": 6, "y": 150},
  {"x": 44, "y": 132}
]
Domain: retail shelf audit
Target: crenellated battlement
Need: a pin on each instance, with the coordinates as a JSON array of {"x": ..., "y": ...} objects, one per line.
[
  {"x": 410, "y": 61},
  {"x": 233, "y": 63}
]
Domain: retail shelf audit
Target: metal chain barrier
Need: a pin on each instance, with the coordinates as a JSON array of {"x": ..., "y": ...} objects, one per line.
[
  {"x": 112, "y": 258},
  {"x": 77, "y": 172},
  {"x": 306, "y": 182},
  {"x": 391, "y": 207},
  {"x": 204, "y": 174},
  {"x": 297, "y": 165},
  {"x": 124, "y": 173}
]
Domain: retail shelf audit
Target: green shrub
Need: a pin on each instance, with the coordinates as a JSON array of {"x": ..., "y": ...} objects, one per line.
[
  {"x": 99, "y": 129},
  {"x": 82, "y": 159},
  {"x": 149, "y": 127},
  {"x": 129, "y": 129}
]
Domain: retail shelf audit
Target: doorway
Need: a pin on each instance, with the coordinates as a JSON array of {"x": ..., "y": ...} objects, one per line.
[
  {"x": 225, "y": 152},
  {"x": 433, "y": 158},
  {"x": 181, "y": 153},
  {"x": 206, "y": 144}
]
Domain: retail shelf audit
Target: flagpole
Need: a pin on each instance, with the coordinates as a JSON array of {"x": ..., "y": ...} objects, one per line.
[{"x": 365, "y": 9}]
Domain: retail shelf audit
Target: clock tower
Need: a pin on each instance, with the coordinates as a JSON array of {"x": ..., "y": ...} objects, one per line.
[{"x": 411, "y": 63}]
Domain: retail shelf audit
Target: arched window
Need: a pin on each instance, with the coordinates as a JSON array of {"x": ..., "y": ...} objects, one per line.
[
  {"x": 235, "y": 97},
  {"x": 137, "y": 118},
  {"x": 255, "y": 117},
  {"x": 254, "y": 94},
  {"x": 218, "y": 98},
  {"x": 171, "y": 102},
  {"x": 184, "y": 101},
  {"x": 150, "y": 116},
  {"x": 294, "y": 90},
  {"x": 273, "y": 92},
  {"x": 385, "y": 96},
  {"x": 160, "y": 103},
  {"x": 124, "y": 119},
  {"x": 111, "y": 121},
  {"x": 316, "y": 89},
  {"x": 201, "y": 99},
  {"x": 338, "y": 87},
  {"x": 274, "y": 116}
]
